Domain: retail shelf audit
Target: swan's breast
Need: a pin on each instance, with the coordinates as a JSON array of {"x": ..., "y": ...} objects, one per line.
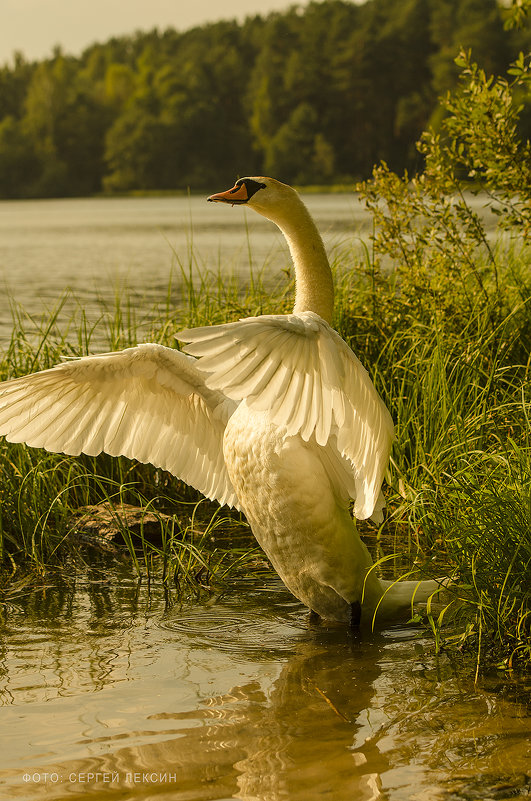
[
  {"x": 272, "y": 473},
  {"x": 294, "y": 513}
]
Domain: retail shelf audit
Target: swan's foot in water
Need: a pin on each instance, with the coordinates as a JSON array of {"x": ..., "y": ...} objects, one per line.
[
  {"x": 355, "y": 615},
  {"x": 314, "y": 618}
]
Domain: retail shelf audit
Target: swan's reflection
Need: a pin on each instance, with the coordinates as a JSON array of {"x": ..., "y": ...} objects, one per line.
[
  {"x": 288, "y": 739},
  {"x": 300, "y": 745}
]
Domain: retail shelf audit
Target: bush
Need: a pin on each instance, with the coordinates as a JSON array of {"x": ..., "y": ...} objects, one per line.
[{"x": 449, "y": 316}]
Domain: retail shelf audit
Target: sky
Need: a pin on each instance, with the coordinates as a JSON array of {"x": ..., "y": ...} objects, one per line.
[{"x": 34, "y": 27}]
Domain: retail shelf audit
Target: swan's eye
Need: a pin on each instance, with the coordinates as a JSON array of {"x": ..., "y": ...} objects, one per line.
[{"x": 251, "y": 186}]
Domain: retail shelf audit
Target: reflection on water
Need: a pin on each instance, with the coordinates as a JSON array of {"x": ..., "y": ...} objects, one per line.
[{"x": 108, "y": 688}]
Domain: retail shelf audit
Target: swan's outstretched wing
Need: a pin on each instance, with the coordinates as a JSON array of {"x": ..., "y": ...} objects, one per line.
[
  {"x": 149, "y": 403},
  {"x": 300, "y": 369}
]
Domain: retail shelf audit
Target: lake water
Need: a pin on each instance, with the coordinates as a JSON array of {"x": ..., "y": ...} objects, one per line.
[
  {"x": 112, "y": 689},
  {"x": 96, "y": 247}
]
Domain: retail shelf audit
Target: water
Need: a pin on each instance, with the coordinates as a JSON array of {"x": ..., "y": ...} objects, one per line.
[
  {"x": 108, "y": 688},
  {"x": 99, "y": 246}
]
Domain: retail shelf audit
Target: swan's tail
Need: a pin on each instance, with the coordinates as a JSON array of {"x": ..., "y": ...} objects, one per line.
[{"x": 398, "y": 596}]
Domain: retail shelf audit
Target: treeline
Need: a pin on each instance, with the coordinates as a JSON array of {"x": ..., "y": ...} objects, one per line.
[{"x": 312, "y": 95}]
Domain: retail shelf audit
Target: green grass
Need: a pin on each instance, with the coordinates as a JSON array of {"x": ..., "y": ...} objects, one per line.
[{"x": 459, "y": 482}]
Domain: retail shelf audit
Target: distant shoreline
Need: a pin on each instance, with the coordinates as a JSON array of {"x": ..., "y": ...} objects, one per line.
[
  {"x": 312, "y": 189},
  {"x": 332, "y": 189}
]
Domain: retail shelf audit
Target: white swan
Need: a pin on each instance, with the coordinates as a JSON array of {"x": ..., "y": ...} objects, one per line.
[{"x": 275, "y": 416}]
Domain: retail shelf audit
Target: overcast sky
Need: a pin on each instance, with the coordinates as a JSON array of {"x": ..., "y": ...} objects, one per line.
[{"x": 36, "y": 26}]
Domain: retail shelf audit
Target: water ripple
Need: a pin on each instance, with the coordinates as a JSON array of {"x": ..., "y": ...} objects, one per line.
[{"x": 241, "y": 626}]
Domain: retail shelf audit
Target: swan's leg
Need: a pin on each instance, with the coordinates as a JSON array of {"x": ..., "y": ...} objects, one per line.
[{"x": 355, "y": 615}]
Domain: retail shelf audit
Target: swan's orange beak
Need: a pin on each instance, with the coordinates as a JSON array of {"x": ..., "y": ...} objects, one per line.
[{"x": 238, "y": 194}]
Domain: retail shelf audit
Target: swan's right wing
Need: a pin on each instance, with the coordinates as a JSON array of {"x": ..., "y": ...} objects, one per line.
[
  {"x": 149, "y": 403},
  {"x": 310, "y": 382}
]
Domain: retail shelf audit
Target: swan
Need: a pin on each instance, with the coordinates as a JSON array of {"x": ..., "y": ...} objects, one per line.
[{"x": 273, "y": 415}]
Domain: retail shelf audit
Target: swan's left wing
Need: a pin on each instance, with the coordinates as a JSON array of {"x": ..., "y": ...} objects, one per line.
[
  {"x": 149, "y": 403},
  {"x": 299, "y": 369}
]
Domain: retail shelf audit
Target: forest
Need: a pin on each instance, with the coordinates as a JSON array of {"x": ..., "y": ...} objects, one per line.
[{"x": 314, "y": 95}]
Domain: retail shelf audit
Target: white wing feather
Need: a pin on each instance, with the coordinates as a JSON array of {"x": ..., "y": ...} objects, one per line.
[
  {"x": 149, "y": 403},
  {"x": 299, "y": 369}
]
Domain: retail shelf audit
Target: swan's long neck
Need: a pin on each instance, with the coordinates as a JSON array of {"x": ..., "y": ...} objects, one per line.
[{"x": 314, "y": 287}]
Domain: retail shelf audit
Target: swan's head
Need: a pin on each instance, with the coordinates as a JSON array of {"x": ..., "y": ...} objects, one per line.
[
  {"x": 267, "y": 196},
  {"x": 282, "y": 205}
]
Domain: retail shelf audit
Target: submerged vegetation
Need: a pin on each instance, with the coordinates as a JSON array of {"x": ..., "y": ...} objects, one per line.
[{"x": 441, "y": 316}]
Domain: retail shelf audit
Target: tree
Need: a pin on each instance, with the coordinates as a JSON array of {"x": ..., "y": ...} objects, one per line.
[
  {"x": 297, "y": 154},
  {"x": 20, "y": 166},
  {"x": 316, "y": 94}
]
